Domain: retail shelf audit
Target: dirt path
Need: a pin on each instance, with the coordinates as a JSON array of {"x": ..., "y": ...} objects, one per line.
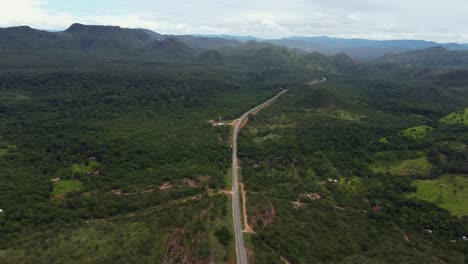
[
  {"x": 285, "y": 260},
  {"x": 165, "y": 186},
  {"x": 247, "y": 227},
  {"x": 120, "y": 193},
  {"x": 146, "y": 212}
]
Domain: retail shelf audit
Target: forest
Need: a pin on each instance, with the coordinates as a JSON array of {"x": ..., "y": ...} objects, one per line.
[
  {"x": 336, "y": 173},
  {"x": 115, "y": 159}
]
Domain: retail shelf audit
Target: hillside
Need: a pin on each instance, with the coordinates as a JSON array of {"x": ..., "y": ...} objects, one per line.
[
  {"x": 436, "y": 56},
  {"x": 26, "y": 47},
  {"x": 100, "y": 41},
  {"x": 359, "y": 48}
]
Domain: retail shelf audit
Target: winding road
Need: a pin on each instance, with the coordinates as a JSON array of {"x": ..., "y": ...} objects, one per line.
[{"x": 236, "y": 211}]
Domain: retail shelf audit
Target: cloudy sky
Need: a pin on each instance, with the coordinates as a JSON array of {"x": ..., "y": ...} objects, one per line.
[{"x": 445, "y": 21}]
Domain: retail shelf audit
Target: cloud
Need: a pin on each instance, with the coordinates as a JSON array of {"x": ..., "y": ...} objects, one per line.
[{"x": 398, "y": 19}]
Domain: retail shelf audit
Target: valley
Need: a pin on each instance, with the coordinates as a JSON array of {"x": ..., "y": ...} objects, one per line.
[{"x": 107, "y": 155}]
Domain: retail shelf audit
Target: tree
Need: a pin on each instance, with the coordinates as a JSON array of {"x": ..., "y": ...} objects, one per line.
[{"x": 223, "y": 235}]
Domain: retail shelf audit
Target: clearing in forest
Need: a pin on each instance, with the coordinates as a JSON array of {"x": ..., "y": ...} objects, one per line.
[
  {"x": 456, "y": 118},
  {"x": 448, "y": 191},
  {"x": 62, "y": 187}
]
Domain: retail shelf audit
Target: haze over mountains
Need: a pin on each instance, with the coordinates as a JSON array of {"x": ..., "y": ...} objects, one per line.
[{"x": 112, "y": 40}]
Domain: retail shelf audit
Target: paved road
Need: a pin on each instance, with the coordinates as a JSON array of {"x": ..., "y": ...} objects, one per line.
[{"x": 236, "y": 211}]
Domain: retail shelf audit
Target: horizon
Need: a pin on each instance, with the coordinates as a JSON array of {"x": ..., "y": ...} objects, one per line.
[
  {"x": 371, "y": 20},
  {"x": 253, "y": 37}
]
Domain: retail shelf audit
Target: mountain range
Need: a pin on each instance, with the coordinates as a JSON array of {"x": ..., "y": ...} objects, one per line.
[{"x": 113, "y": 42}]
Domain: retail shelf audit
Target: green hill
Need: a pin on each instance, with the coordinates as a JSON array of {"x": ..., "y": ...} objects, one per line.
[
  {"x": 436, "y": 56},
  {"x": 456, "y": 118},
  {"x": 210, "y": 57}
]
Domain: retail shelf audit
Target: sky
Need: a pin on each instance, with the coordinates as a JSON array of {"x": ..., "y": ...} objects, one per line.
[{"x": 443, "y": 21}]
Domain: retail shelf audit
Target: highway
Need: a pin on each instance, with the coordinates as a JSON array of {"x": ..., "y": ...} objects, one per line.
[{"x": 236, "y": 211}]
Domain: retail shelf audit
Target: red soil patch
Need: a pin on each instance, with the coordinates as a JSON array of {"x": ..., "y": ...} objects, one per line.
[
  {"x": 246, "y": 120},
  {"x": 233, "y": 123},
  {"x": 212, "y": 122},
  {"x": 268, "y": 217},
  {"x": 165, "y": 186},
  {"x": 117, "y": 192},
  {"x": 298, "y": 203},
  {"x": 225, "y": 192},
  {"x": 285, "y": 260},
  {"x": 247, "y": 227},
  {"x": 190, "y": 183},
  {"x": 173, "y": 244}
]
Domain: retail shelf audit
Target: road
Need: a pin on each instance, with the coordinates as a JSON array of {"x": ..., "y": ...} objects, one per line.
[{"x": 236, "y": 212}]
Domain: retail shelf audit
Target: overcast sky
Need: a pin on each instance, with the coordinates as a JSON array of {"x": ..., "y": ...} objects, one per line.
[{"x": 444, "y": 21}]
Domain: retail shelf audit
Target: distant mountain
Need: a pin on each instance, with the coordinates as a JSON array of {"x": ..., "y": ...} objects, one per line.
[
  {"x": 106, "y": 39},
  {"x": 319, "y": 61},
  {"x": 359, "y": 48},
  {"x": 204, "y": 42},
  {"x": 436, "y": 56},
  {"x": 153, "y": 34},
  {"x": 101, "y": 41},
  {"x": 169, "y": 49},
  {"x": 210, "y": 57},
  {"x": 231, "y": 37},
  {"x": 258, "y": 53},
  {"x": 24, "y": 46}
]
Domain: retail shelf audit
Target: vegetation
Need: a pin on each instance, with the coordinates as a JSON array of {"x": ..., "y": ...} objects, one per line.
[
  {"x": 66, "y": 186},
  {"x": 367, "y": 214},
  {"x": 418, "y": 132},
  {"x": 456, "y": 118},
  {"x": 448, "y": 191},
  {"x": 346, "y": 171}
]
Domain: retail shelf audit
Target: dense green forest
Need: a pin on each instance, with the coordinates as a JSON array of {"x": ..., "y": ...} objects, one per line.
[
  {"x": 331, "y": 172},
  {"x": 85, "y": 145},
  {"x": 107, "y": 153}
]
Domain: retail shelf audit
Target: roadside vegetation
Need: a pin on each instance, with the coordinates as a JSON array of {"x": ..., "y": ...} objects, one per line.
[{"x": 354, "y": 189}]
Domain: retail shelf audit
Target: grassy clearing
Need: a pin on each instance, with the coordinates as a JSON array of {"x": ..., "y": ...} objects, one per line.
[
  {"x": 384, "y": 140},
  {"x": 417, "y": 132},
  {"x": 267, "y": 137},
  {"x": 400, "y": 163},
  {"x": 84, "y": 169},
  {"x": 453, "y": 145},
  {"x": 449, "y": 192},
  {"x": 456, "y": 118},
  {"x": 350, "y": 185},
  {"x": 63, "y": 187}
]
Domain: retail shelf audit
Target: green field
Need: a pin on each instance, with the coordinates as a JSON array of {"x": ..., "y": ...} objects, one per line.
[
  {"x": 453, "y": 145},
  {"x": 449, "y": 192},
  {"x": 65, "y": 186},
  {"x": 84, "y": 169},
  {"x": 402, "y": 163},
  {"x": 456, "y": 118},
  {"x": 417, "y": 132}
]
